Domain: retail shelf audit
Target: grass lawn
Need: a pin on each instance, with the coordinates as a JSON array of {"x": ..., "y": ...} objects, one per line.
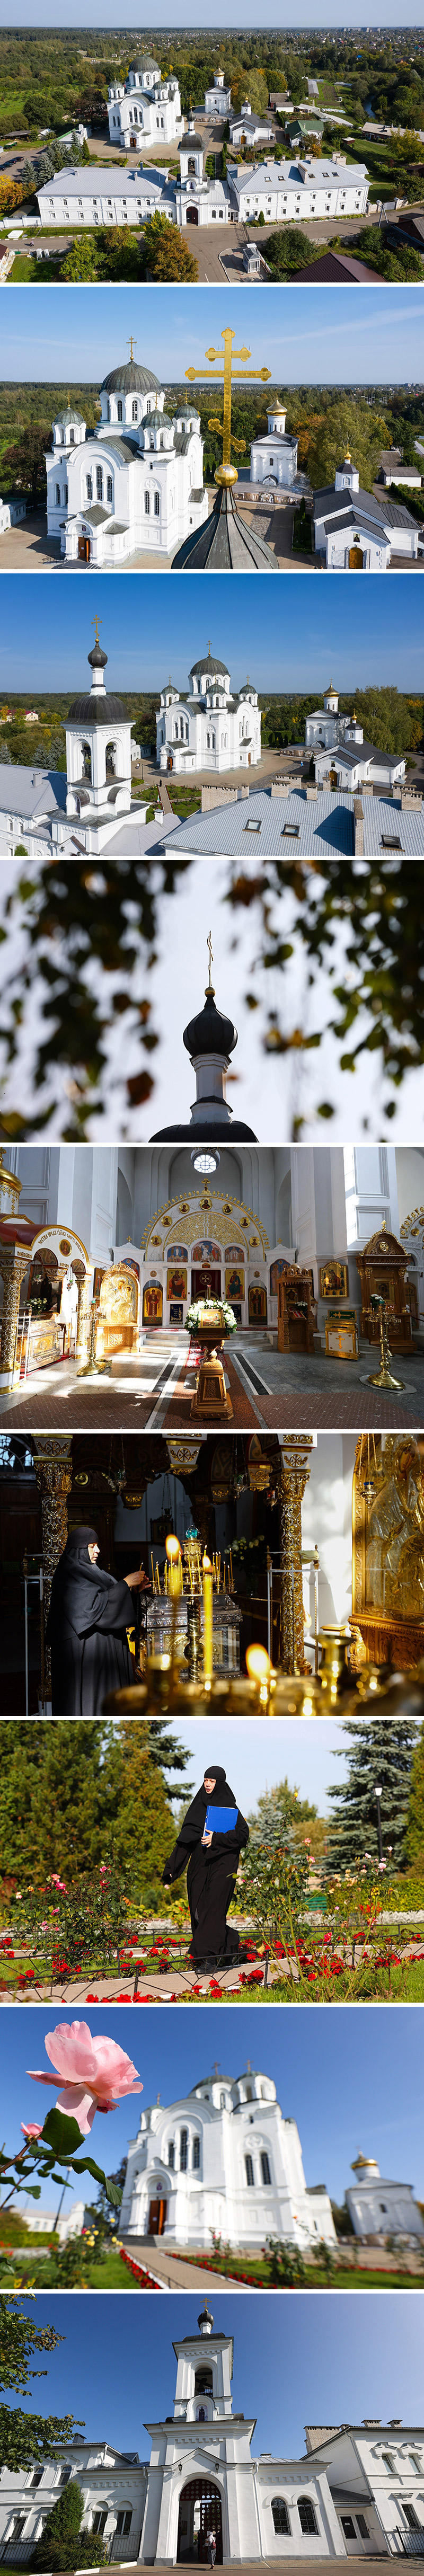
[{"x": 111, "y": 2274}]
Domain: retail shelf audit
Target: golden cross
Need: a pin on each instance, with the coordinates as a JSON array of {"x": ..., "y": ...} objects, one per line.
[
  {"x": 96, "y": 621},
  {"x": 229, "y": 367},
  {"x": 131, "y": 344},
  {"x": 210, "y": 949}
]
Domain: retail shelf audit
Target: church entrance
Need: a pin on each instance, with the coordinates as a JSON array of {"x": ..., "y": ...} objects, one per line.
[
  {"x": 201, "y": 1280},
  {"x": 192, "y": 215},
  {"x": 356, "y": 559},
  {"x": 170, "y": 762},
  {"x": 157, "y": 2217},
  {"x": 84, "y": 549},
  {"x": 200, "y": 2512}
]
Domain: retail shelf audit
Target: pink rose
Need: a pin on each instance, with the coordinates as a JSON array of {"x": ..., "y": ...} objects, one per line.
[
  {"x": 95, "y": 2072},
  {"x": 31, "y": 2128}
]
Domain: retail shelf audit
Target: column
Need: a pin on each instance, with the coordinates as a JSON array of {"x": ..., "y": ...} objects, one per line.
[
  {"x": 293, "y": 1475},
  {"x": 13, "y": 1263},
  {"x": 53, "y": 1468},
  {"x": 84, "y": 1302}
]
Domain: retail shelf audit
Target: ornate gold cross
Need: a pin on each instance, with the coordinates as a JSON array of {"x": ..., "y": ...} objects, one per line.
[
  {"x": 96, "y": 622},
  {"x": 131, "y": 345},
  {"x": 232, "y": 363}
]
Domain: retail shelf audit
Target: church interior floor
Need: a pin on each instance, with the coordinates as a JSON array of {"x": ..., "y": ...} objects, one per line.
[{"x": 286, "y": 1391}]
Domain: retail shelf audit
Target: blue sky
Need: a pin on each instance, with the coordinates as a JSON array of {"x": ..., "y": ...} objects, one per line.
[
  {"x": 297, "y": 2360},
  {"x": 291, "y": 638},
  {"x": 302, "y": 334},
  {"x": 372, "y": 2098},
  {"x": 59, "y": 13}
]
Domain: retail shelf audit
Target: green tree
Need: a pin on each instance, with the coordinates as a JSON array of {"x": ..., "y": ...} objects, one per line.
[
  {"x": 348, "y": 424},
  {"x": 61, "y": 2540},
  {"x": 272, "y": 1813},
  {"x": 290, "y": 248},
  {"x": 26, "y": 2437},
  {"x": 25, "y": 460},
  {"x": 381, "y": 1754},
  {"x": 385, "y": 717},
  {"x": 81, "y": 263},
  {"x": 68, "y": 1794},
  {"x": 415, "y": 1823},
  {"x": 166, "y": 255}
]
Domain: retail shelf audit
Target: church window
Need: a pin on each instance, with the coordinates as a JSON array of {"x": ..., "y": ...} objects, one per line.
[
  {"x": 249, "y": 2171},
  {"x": 100, "y": 2519},
  {"x": 65, "y": 494},
  {"x": 58, "y": 494},
  {"x": 35, "y": 2477},
  {"x": 279, "y": 2515},
  {"x": 147, "y": 503},
  {"x": 99, "y": 482},
  {"x": 157, "y": 502},
  {"x": 183, "y": 2150},
  {"x": 17, "y": 2527},
  {"x": 307, "y": 2515},
  {"x": 111, "y": 760},
  {"x": 265, "y": 2168},
  {"x": 119, "y": 410},
  {"x": 196, "y": 2155},
  {"x": 123, "y": 2523},
  {"x": 411, "y": 2517},
  {"x": 348, "y": 2526},
  {"x": 109, "y": 488},
  {"x": 171, "y": 2155},
  {"x": 89, "y": 487},
  {"x": 388, "y": 2460},
  {"x": 86, "y": 760},
  {"x": 135, "y": 411}
]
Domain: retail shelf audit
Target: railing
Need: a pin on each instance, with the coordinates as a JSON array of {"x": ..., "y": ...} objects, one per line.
[{"x": 411, "y": 2543}]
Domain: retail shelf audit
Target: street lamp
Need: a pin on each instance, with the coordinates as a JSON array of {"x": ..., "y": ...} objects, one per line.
[{"x": 378, "y": 1792}]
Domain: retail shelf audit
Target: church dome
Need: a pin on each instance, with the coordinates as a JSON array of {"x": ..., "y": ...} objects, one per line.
[
  {"x": 69, "y": 419},
  {"x": 209, "y": 663},
  {"x": 130, "y": 379},
  {"x": 190, "y": 142},
  {"x": 210, "y": 1033},
  {"x": 224, "y": 544},
  {"x": 145, "y": 63},
  {"x": 96, "y": 710}
]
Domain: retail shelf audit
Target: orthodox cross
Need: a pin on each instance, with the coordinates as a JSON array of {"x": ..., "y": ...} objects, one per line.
[
  {"x": 231, "y": 363},
  {"x": 96, "y": 622},
  {"x": 210, "y": 948},
  {"x": 131, "y": 345}
]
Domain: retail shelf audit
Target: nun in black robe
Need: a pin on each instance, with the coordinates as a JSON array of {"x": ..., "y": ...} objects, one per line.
[
  {"x": 86, "y": 1630},
  {"x": 211, "y": 1872}
]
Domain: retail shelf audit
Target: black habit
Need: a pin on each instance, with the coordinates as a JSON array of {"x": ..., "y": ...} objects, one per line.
[
  {"x": 86, "y": 1630},
  {"x": 211, "y": 1871}
]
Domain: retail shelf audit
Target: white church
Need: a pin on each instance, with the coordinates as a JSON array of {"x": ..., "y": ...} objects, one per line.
[
  {"x": 357, "y": 2490},
  {"x": 223, "y": 2161},
  {"x": 135, "y": 482},
  {"x": 144, "y": 108},
  {"x": 339, "y": 752},
  {"x": 212, "y": 727},
  {"x": 355, "y": 532},
  {"x": 86, "y": 808}
]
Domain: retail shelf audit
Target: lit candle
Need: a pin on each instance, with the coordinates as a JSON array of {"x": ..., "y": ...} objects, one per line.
[
  {"x": 207, "y": 1623},
  {"x": 172, "y": 1567},
  {"x": 259, "y": 1668}
]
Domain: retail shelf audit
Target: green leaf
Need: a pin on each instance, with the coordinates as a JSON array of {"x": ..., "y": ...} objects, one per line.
[{"x": 62, "y": 2134}]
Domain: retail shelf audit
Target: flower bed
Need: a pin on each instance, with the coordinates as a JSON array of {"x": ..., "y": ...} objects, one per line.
[{"x": 141, "y": 2275}]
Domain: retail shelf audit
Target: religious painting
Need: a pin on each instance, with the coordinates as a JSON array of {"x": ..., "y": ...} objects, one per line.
[
  {"x": 97, "y": 1281},
  {"x": 235, "y": 1252},
  {"x": 175, "y": 1313},
  {"x": 152, "y": 1302},
  {"x": 128, "y": 1263},
  {"x": 234, "y": 1284},
  {"x": 388, "y": 1548},
  {"x": 334, "y": 1279},
  {"x": 276, "y": 1273},
  {"x": 177, "y": 1252},
  {"x": 176, "y": 1282},
  {"x": 206, "y": 1252},
  {"x": 257, "y": 1305}
]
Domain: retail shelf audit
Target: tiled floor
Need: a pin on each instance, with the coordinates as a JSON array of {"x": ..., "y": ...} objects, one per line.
[{"x": 152, "y": 1390}]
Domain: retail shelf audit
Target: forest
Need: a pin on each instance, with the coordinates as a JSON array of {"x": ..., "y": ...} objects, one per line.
[
  {"x": 324, "y": 418},
  {"x": 51, "y": 80}
]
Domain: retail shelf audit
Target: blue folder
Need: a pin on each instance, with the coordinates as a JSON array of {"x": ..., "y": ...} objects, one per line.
[{"x": 220, "y": 1820}]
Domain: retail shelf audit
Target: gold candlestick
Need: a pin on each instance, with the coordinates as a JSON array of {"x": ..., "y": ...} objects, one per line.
[{"x": 207, "y": 1593}]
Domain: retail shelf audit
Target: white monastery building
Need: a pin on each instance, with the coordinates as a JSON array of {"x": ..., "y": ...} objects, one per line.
[
  {"x": 218, "y": 99},
  {"x": 380, "y": 2208},
  {"x": 284, "y": 192},
  {"x": 273, "y": 458},
  {"x": 357, "y": 2491},
  {"x": 355, "y": 532},
  {"x": 339, "y": 752},
  {"x": 135, "y": 482},
  {"x": 145, "y": 108},
  {"x": 210, "y": 728},
  {"x": 225, "y": 2162}
]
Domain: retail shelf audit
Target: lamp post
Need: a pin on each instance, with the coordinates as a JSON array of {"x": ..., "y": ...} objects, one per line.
[{"x": 378, "y": 1794}]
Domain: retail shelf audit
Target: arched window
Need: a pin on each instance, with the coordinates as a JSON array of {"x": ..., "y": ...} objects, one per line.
[
  {"x": 307, "y": 2516},
  {"x": 196, "y": 2155},
  {"x": 111, "y": 759},
  {"x": 123, "y": 2522},
  {"x": 109, "y": 488},
  {"x": 100, "y": 2519},
  {"x": 249, "y": 2171},
  {"x": 157, "y": 504},
  {"x": 171, "y": 2155},
  {"x": 147, "y": 503},
  {"x": 86, "y": 760},
  {"x": 135, "y": 411},
  {"x": 72, "y": 438},
  {"x": 89, "y": 487},
  {"x": 99, "y": 482},
  {"x": 203, "y": 2381},
  {"x": 58, "y": 494},
  {"x": 119, "y": 410},
  {"x": 279, "y": 2515},
  {"x": 183, "y": 2150},
  {"x": 265, "y": 2168}
]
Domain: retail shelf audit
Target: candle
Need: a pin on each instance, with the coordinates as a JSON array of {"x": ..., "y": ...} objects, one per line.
[
  {"x": 259, "y": 1668},
  {"x": 172, "y": 1569},
  {"x": 207, "y": 1623}
]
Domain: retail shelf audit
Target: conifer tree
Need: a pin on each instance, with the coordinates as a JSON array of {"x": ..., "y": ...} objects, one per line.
[
  {"x": 378, "y": 1752},
  {"x": 71, "y": 1796},
  {"x": 62, "y": 2541},
  {"x": 415, "y": 1825}
]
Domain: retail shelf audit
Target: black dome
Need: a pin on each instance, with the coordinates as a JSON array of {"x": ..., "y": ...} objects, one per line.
[
  {"x": 209, "y": 1133},
  {"x": 97, "y": 658},
  {"x": 96, "y": 710},
  {"x": 209, "y": 1033},
  {"x": 209, "y": 662},
  {"x": 223, "y": 543},
  {"x": 130, "y": 379}
]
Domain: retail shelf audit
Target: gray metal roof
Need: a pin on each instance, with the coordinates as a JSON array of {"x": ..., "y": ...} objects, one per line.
[
  {"x": 107, "y": 182},
  {"x": 30, "y": 792},
  {"x": 360, "y": 504},
  {"x": 223, "y": 543},
  {"x": 113, "y": 446},
  {"x": 326, "y": 827}
]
